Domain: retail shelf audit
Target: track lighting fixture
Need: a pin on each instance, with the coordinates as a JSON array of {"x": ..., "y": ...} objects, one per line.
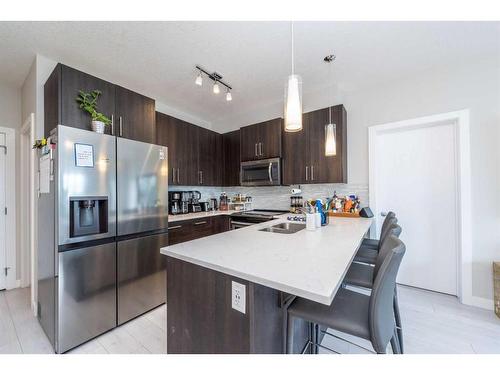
[
  {"x": 216, "y": 88},
  {"x": 217, "y": 79},
  {"x": 199, "y": 79}
]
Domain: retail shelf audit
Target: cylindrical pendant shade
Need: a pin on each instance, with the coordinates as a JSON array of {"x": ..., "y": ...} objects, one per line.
[
  {"x": 330, "y": 140},
  {"x": 293, "y": 104}
]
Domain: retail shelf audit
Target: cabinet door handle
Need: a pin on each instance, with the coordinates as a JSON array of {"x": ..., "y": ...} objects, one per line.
[
  {"x": 121, "y": 127},
  {"x": 312, "y": 172},
  {"x": 307, "y": 175},
  {"x": 112, "y": 124},
  {"x": 175, "y": 227},
  {"x": 256, "y": 152},
  {"x": 178, "y": 178},
  {"x": 261, "y": 153},
  {"x": 201, "y": 174},
  {"x": 200, "y": 223},
  {"x": 173, "y": 175}
]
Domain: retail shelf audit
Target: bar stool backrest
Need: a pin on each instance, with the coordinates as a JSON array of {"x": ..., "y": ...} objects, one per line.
[
  {"x": 389, "y": 219},
  {"x": 381, "y": 314},
  {"x": 385, "y": 248}
]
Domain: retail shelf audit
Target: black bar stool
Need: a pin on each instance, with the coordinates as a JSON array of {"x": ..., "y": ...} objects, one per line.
[
  {"x": 363, "y": 275},
  {"x": 368, "y": 317}
]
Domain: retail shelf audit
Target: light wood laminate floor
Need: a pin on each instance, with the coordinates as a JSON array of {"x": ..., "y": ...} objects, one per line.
[{"x": 432, "y": 322}]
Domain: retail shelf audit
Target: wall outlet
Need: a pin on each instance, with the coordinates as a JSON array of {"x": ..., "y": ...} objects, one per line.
[{"x": 238, "y": 297}]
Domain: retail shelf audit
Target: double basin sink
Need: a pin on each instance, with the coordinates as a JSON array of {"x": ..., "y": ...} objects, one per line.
[{"x": 284, "y": 228}]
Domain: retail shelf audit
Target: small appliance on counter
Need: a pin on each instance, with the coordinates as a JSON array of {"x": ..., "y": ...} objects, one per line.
[
  {"x": 183, "y": 202},
  {"x": 205, "y": 206},
  {"x": 178, "y": 202},
  {"x": 214, "y": 204}
]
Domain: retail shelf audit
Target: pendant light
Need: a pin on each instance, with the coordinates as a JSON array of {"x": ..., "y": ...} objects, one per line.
[
  {"x": 330, "y": 128},
  {"x": 229, "y": 97},
  {"x": 293, "y": 99}
]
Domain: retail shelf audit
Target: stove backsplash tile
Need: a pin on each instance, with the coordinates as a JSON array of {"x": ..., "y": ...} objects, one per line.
[{"x": 278, "y": 197}]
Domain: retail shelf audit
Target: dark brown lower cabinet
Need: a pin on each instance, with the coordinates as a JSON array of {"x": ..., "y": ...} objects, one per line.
[
  {"x": 187, "y": 230},
  {"x": 201, "y": 320}
]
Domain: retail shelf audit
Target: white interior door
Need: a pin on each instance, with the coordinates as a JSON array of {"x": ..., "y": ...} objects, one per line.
[
  {"x": 416, "y": 177},
  {"x": 3, "y": 243}
]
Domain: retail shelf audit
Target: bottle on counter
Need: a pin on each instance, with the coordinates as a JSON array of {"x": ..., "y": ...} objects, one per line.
[{"x": 223, "y": 202}]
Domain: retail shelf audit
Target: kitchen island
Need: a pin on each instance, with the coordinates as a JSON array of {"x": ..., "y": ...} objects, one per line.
[{"x": 226, "y": 292}]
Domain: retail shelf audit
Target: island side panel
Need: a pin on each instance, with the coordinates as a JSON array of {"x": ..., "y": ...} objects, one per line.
[
  {"x": 199, "y": 314},
  {"x": 190, "y": 308},
  {"x": 200, "y": 318}
]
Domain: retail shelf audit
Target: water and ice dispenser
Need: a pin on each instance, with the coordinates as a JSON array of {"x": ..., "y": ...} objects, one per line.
[{"x": 88, "y": 216}]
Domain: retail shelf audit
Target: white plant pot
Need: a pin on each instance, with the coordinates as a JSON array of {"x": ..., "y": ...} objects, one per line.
[{"x": 98, "y": 127}]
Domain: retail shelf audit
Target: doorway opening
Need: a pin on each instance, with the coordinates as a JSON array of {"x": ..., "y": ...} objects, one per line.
[{"x": 420, "y": 169}]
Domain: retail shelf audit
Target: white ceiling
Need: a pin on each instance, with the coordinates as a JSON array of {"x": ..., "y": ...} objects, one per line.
[{"x": 158, "y": 58}]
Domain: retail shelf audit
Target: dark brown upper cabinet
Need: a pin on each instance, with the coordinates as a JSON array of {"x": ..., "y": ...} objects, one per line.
[
  {"x": 262, "y": 140},
  {"x": 132, "y": 113},
  {"x": 304, "y": 160},
  {"x": 210, "y": 161},
  {"x": 195, "y": 154},
  {"x": 175, "y": 134},
  {"x": 231, "y": 153}
]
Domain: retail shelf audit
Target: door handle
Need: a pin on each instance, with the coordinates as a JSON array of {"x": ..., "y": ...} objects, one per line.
[
  {"x": 178, "y": 178},
  {"x": 173, "y": 175},
  {"x": 121, "y": 127},
  {"x": 201, "y": 175},
  {"x": 175, "y": 227},
  {"x": 261, "y": 149},
  {"x": 307, "y": 170},
  {"x": 200, "y": 223},
  {"x": 269, "y": 172},
  {"x": 312, "y": 172},
  {"x": 256, "y": 152},
  {"x": 112, "y": 124}
]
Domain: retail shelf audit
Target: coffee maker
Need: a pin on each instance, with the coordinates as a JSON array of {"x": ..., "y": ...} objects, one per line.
[
  {"x": 178, "y": 202},
  {"x": 194, "y": 202}
]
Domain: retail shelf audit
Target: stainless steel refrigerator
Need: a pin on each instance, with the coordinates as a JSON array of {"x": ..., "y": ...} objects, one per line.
[{"x": 102, "y": 218}]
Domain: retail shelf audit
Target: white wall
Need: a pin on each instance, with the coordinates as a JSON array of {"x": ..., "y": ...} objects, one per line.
[
  {"x": 475, "y": 86},
  {"x": 10, "y": 108}
]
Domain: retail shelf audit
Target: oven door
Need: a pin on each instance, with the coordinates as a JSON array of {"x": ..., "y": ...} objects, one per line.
[{"x": 261, "y": 172}]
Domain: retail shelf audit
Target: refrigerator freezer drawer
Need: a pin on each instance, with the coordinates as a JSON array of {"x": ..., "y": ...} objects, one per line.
[
  {"x": 86, "y": 294},
  {"x": 141, "y": 276}
]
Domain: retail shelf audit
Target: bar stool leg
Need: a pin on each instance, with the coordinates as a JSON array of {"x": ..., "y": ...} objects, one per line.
[
  {"x": 397, "y": 317},
  {"x": 289, "y": 335}
]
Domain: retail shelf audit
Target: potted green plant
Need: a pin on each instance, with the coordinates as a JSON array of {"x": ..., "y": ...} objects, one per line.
[{"x": 88, "y": 103}]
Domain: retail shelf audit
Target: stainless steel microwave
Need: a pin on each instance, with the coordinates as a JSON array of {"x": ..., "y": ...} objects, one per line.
[{"x": 265, "y": 172}]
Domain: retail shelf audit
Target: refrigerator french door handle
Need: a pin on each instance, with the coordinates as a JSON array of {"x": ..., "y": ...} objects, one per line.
[
  {"x": 112, "y": 124},
  {"x": 121, "y": 126}
]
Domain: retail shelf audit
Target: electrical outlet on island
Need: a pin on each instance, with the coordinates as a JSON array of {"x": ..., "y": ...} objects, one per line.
[{"x": 238, "y": 297}]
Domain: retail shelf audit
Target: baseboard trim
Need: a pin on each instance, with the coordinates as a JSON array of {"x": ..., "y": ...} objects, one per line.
[{"x": 481, "y": 302}]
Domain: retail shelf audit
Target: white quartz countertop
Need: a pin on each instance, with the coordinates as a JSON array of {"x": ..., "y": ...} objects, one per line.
[
  {"x": 198, "y": 215},
  {"x": 309, "y": 264}
]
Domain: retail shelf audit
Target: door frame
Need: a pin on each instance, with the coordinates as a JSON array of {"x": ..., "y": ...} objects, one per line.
[
  {"x": 460, "y": 120},
  {"x": 10, "y": 202},
  {"x": 28, "y": 207}
]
